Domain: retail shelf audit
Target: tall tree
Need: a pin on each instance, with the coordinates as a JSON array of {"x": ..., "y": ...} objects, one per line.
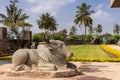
[
  {"x": 14, "y": 19},
  {"x": 73, "y": 30},
  {"x": 83, "y": 15},
  {"x": 116, "y": 29},
  {"x": 99, "y": 28},
  {"x": 48, "y": 23},
  {"x": 63, "y": 33}
]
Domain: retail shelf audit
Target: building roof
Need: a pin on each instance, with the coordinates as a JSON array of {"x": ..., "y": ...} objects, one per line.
[{"x": 114, "y": 3}]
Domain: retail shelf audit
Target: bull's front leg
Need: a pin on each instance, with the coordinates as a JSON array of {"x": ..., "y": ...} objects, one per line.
[
  {"x": 20, "y": 60},
  {"x": 21, "y": 67}
]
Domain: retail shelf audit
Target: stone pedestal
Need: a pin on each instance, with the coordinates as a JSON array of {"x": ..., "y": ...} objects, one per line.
[{"x": 45, "y": 74}]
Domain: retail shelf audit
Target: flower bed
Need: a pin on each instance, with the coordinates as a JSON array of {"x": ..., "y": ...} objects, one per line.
[
  {"x": 94, "y": 59},
  {"x": 107, "y": 49},
  {"x": 111, "y": 50}
]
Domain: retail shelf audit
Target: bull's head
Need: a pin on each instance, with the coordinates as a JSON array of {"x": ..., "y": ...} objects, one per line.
[{"x": 61, "y": 48}]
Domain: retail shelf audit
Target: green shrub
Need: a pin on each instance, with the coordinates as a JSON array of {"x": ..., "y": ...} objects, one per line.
[
  {"x": 81, "y": 37},
  {"x": 72, "y": 37},
  {"x": 89, "y": 38},
  {"x": 114, "y": 39},
  {"x": 37, "y": 38},
  {"x": 6, "y": 58},
  {"x": 58, "y": 37},
  {"x": 99, "y": 39}
]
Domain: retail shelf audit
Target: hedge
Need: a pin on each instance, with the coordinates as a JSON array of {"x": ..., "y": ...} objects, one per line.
[{"x": 94, "y": 59}]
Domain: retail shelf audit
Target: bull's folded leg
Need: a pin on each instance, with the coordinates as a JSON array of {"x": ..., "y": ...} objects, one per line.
[
  {"x": 21, "y": 67},
  {"x": 47, "y": 67},
  {"x": 27, "y": 68},
  {"x": 17, "y": 68},
  {"x": 34, "y": 67}
]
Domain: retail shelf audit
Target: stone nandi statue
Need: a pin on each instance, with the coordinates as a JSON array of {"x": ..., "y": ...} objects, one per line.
[{"x": 48, "y": 56}]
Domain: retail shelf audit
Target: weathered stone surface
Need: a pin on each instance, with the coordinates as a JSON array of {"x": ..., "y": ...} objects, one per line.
[
  {"x": 3, "y": 33},
  {"x": 45, "y": 74},
  {"x": 118, "y": 43},
  {"x": 47, "y": 57}
]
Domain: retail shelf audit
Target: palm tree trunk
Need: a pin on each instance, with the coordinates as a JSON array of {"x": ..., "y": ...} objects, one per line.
[
  {"x": 80, "y": 29},
  {"x": 85, "y": 30},
  {"x": 85, "y": 35}
]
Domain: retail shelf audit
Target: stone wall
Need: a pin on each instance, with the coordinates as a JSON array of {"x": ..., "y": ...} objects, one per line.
[
  {"x": 3, "y": 33},
  {"x": 10, "y": 45},
  {"x": 7, "y": 45},
  {"x": 74, "y": 42}
]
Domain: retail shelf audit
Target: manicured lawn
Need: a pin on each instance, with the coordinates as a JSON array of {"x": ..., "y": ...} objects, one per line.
[{"x": 87, "y": 51}]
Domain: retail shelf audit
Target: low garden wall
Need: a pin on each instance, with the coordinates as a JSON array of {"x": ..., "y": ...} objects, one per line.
[
  {"x": 74, "y": 42},
  {"x": 7, "y": 46}
]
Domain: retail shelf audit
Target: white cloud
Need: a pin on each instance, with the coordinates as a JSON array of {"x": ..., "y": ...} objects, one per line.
[
  {"x": 103, "y": 16},
  {"x": 31, "y": 1},
  {"x": 51, "y": 6},
  {"x": 105, "y": 19},
  {"x": 100, "y": 6}
]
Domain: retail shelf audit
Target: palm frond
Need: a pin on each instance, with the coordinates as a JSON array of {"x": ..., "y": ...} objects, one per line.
[{"x": 2, "y": 16}]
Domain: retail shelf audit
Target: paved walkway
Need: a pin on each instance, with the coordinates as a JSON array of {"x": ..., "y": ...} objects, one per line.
[{"x": 114, "y": 47}]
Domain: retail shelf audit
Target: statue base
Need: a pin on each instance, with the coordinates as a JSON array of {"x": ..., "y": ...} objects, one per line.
[{"x": 45, "y": 74}]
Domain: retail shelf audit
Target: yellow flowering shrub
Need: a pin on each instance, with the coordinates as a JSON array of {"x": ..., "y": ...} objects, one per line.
[
  {"x": 94, "y": 59},
  {"x": 111, "y": 50}
]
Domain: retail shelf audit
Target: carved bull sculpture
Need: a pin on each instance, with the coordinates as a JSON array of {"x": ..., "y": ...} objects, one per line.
[{"x": 50, "y": 56}]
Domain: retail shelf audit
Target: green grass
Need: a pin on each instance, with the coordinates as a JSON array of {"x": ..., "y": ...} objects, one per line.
[
  {"x": 9, "y": 58},
  {"x": 87, "y": 51}
]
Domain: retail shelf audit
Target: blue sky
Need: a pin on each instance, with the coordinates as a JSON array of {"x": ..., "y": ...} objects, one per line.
[{"x": 64, "y": 12}]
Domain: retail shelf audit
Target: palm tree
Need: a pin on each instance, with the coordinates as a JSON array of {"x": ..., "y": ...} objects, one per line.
[
  {"x": 99, "y": 28},
  {"x": 48, "y": 23},
  {"x": 14, "y": 19},
  {"x": 83, "y": 15},
  {"x": 116, "y": 29},
  {"x": 73, "y": 30},
  {"x": 90, "y": 30},
  {"x": 62, "y": 33}
]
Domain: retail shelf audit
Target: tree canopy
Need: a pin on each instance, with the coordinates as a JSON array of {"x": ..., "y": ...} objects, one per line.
[
  {"x": 47, "y": 22},
  {"x": 83, "y": 15},
  {"x": 14, "y": 19}
]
